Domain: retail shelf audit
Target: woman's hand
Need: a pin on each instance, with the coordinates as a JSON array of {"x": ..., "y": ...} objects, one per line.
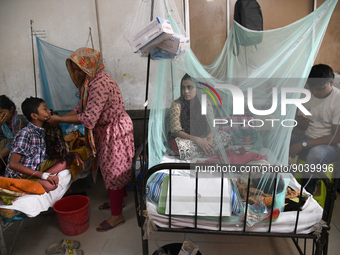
[
  {"x": 206, "y": 144},
  {"x": 53, "y": 119}
]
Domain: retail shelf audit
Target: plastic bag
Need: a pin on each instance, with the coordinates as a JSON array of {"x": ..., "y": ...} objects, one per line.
[
  {"x": 255, "y": 213},
  {"x": 188, "y": 248},
  {"x": 68, "y": 128}
]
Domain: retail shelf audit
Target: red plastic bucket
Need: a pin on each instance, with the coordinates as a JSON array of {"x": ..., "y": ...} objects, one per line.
[{"x": 73, "y": 214}]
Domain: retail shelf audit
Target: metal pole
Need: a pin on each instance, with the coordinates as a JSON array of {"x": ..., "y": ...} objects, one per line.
[
  {"x": 228, "y": 18},
  {"x": 187, "y": 18},
  {"x": 35, "y": 80},
  {"x": 98, "y": 27},
  {"x": 315, "y": 4},
  {"x": 144, "y": 160},
  {"x": 146, "y": 94}
]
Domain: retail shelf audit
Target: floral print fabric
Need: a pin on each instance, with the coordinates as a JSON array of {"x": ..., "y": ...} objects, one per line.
[
  {"x": 89, "y": 61},
  {"x": 112, "y": 129}
]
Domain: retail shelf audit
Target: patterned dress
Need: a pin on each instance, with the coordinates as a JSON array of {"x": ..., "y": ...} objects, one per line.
[{"x": 112, "y": 129}]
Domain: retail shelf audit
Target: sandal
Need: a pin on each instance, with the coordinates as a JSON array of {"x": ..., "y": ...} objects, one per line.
[
  {"x": 105, "y": 226},
  {"x": 59, "y": 247},
  {"x": 73, "y": 252}
]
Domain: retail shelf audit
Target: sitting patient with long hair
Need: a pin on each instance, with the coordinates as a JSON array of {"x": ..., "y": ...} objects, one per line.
[{"x": 190, "y": 132}]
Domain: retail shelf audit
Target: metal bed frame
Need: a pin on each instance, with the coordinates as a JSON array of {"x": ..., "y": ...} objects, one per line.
[
  {"x": 3, "y": 227},
  {"x": 141, "y": 175}
]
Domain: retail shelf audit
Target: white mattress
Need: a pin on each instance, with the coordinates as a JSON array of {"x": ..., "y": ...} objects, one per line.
[{"x": 309, "y": 216}]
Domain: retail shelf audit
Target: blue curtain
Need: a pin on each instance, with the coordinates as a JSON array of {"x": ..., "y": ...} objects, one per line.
[{"x": 58, "y": 90}]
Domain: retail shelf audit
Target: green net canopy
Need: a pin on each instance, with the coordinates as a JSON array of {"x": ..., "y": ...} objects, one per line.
[
  {"x": 255, "y": 87},
  {"x": 239, "y": 110}
]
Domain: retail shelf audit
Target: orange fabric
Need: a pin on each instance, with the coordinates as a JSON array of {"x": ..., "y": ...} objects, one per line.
[
  {"x": 292, "y": 193},
  {"x": 276, "y": 214},
  {"x": 74, "y": 140},
  {"x": 267, "y": 200},
  {"x": 21, "y": 185}
]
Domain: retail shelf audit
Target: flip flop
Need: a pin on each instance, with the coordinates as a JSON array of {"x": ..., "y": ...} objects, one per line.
[
  {"x": 73, "y": 252},
  {"x": 59, "y": 247},
  {"x": 105, "y": 226}
]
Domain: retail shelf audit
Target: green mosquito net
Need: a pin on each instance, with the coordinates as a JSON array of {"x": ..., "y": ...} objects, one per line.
[
  {"x": 246, "y": 100},
  {"x": 253, "y": 87}
]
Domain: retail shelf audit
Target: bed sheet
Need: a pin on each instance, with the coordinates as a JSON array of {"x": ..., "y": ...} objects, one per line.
[
  {"x": 309, "y": 216},
  {"x": 32, "y": 205}
]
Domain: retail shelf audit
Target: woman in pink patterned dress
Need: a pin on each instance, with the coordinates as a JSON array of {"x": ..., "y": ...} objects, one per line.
[{"x": 108, "y": 128}]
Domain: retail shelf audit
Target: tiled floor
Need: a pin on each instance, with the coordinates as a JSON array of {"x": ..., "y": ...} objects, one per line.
[{"x": 40, "y": 232}]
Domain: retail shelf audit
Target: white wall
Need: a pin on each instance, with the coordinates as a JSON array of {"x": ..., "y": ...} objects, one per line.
[{"x": 66, "y": 24}]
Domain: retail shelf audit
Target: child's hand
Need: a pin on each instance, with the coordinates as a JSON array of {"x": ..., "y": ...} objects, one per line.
[
  {"x": 53, "y": 179},
  {"x": 78, "y": 159}
]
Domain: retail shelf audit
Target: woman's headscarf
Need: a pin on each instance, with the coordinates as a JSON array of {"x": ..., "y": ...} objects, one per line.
[{"x": 91, "y": 62}]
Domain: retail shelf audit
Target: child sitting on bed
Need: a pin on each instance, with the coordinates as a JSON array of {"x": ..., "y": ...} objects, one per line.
[{"x": 28, "y": 153}]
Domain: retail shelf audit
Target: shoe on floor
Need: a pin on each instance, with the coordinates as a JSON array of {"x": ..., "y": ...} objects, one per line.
[
  {"x": 73, "y": 252},
  {"x": 59, "y": 247},
  {"x": 105, "y": 226}
]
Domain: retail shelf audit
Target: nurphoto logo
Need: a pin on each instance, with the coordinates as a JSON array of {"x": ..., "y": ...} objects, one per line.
[{"x": 239, "y": 104}]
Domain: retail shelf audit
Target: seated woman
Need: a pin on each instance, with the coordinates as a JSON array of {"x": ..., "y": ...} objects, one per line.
[
  {"x": 190, "y": 132},
  {"x": 10, "y": 124}
]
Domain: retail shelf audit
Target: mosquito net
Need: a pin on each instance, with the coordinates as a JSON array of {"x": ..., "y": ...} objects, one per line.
[
  {"x": 58, "y": 90},
  {"x": 244, "y": 102},
  {"x": 256, "y": 88}
]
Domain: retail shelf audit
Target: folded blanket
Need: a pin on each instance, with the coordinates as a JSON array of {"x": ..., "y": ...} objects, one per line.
[{"x": 21, "y": 185}]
